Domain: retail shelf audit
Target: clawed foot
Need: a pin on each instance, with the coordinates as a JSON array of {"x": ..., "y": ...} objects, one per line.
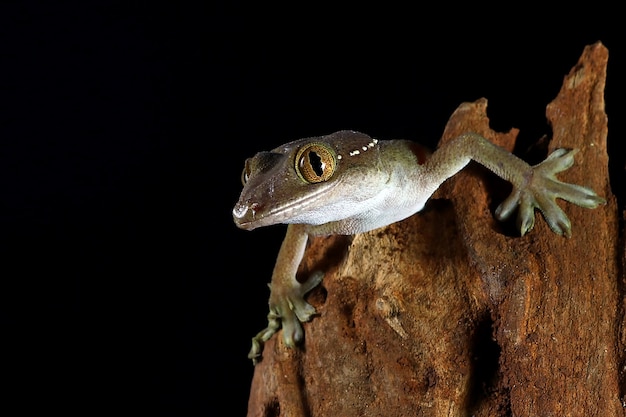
[
  {"x": 541, "y": 191},
  {"x": 287, "y": 307}
]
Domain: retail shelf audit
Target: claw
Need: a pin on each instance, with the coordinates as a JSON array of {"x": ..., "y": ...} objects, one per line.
[
  {"x": 559, "y": 160},
  {"x": 525, "y": 215},
  {"x": 287, "y": 308},
  {"x": 508, "y": 206},
  {"x": 312, "y": 282},
  {"x": 541, "y": 192}
]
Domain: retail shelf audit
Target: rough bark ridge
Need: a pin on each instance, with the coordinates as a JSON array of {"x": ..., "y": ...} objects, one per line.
[{"x": 449, "y": 313}]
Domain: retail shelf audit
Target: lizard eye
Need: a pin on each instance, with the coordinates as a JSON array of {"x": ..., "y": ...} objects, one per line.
[
  {"x": 315, "y": 162},
  {"x": 245, "y": 174}
]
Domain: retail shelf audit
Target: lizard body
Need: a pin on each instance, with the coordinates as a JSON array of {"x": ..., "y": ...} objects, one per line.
[{"x": 348, "y": 183}]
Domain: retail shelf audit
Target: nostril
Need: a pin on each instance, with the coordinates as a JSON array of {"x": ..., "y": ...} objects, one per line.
[
  {"x": 240, "y": 211},
  {"x": 244, "y": 213}
]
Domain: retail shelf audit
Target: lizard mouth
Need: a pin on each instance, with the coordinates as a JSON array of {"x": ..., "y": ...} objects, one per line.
[{"x": 249, "y": 215}]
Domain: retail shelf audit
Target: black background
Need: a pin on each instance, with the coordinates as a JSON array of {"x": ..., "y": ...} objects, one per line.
[{"x": 123, "y": 131}]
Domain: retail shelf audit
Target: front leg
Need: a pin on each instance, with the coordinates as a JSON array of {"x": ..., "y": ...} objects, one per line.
[
  {"x": 286, "y": 303},
  {"x": 541, "y": 190},
  {"x": 533, "y": 186}
]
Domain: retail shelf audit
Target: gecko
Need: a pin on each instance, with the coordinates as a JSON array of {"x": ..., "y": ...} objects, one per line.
[{"x": 348, "y": 182}]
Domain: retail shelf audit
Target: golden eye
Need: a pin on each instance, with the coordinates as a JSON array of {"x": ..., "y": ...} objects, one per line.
[
  {"x": 245, "y": 174},
  {"x": 315, "y": 162}
]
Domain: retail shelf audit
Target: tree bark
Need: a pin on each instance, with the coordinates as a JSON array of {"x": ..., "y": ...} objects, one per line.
[{"x": 451, "y": 313}]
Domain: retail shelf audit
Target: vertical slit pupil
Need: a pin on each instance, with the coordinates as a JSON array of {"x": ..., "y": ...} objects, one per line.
[{"x": 316, "y": 163}]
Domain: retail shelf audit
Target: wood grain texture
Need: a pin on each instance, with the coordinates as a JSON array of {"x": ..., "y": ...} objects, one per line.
[{"x": 449, "y": 313}]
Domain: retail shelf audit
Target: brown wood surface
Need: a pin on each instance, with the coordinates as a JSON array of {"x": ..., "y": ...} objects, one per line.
[{"x": 450, "y": 313}]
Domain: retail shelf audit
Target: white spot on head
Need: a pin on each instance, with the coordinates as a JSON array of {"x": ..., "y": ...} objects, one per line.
[
  {"x": 338, "y": 156},
  {"x": 364, "y": 148},
  {"x": 356, "y": 152}
]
